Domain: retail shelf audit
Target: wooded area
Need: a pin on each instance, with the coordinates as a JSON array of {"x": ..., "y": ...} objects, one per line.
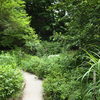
[{"x": 31, "y": 30}]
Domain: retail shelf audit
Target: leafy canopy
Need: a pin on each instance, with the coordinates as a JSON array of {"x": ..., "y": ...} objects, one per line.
[
  {"x": 81, "y": 20},
  {"x": 14, "y": 24}
]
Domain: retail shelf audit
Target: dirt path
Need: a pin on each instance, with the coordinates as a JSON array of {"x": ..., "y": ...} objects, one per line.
[{"x": 33, "y": 89}]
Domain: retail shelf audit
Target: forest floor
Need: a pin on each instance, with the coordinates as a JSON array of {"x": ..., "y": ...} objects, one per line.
[{"x": 33, "y": 89}]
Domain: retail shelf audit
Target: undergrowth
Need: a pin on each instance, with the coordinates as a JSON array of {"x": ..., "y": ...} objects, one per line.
[
  {"x": 59, "y": 74},
  {"x": 63, "y": 75},
  {"x": 11, "y": 78}
]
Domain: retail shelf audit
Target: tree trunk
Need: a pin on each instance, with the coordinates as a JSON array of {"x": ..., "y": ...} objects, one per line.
[{"x": 94, "y": 82}]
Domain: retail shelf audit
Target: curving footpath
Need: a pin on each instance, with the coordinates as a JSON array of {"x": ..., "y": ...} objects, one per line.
[{"x": 33, "y": 89}]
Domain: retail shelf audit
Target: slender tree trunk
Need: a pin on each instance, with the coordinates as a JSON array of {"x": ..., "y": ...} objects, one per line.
[{"x": 94, "y": 82}]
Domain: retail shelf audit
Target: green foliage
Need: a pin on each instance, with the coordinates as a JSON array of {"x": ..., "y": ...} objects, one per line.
[
  {"x": 59, "y": 74},
  {"x": 41, "y": 18},
  {"x": 93, "y": 87},
  {"x": 60, "y": 83},
  {"x": 7, "y": 59},
  {"x": 60, "y": 39},
  {"x": 30, "y": 63},
  {"x": 80, "y": 24},
  {"x": 32, "y": 48},
  {"x": 46, "y": 66},
  {"x": 49, "y": 48},
  {"x": 62, "y": 74},
  {"x": 11, "y": 81},
  {"x": 61, "y": 19},
  {"x": 14, "y": 24},
  {"x": 61, "y": 88}
]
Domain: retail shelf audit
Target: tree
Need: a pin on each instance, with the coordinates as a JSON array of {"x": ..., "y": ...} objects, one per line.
[
  {"x": 14, "y": 24},
  {"x": 41, "y": 18},
  {"x": 84, "y": 22}
]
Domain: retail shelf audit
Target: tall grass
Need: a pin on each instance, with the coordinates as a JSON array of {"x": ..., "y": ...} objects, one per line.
[{"x": 93, "y": 90}]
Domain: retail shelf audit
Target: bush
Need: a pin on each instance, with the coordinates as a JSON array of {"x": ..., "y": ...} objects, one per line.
[
  {"x": 29, "y": 63},
  {"x": 53, "y": 88},
  {"x": 11, "y": 81},
  {"x": 46, "y": 66},
  {"x": 42, "y": 67},
  {"x": 62, "y": 87},
  {"x": 7, "y": 59},
  {"x": 49, "y": 48},
  {"x": 31, "y": 47}
]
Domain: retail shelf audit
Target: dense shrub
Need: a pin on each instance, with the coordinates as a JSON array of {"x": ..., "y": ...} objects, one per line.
[
  {"x": 7, "y": 58},
  {"x": 61, "y": 74},
  {"x": 49, "y": 48},
  {"x": 29, "y": 63},
  {"x": 61, "y": 88},
  {"x": 11, "y": 81},
  {"x": 42, "y": 67},
  {"x": 10, "y": 77},
  {"x": 31, "y": 48},
  {"x": 46, "y": 66}
]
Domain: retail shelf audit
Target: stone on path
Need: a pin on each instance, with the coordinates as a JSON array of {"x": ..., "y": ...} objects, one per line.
[
  {"x": 53, "y": 56},
  {"x": 33, "y": 89}
]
